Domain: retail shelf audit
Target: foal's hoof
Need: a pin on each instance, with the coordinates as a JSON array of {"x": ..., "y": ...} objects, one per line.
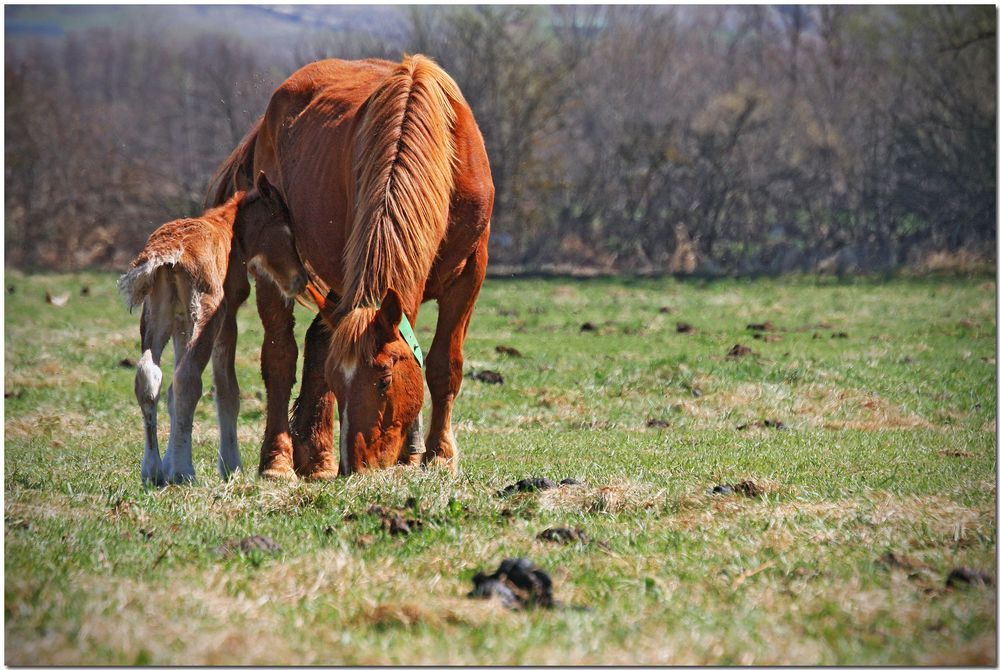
[{"x": 153, "y": 481}]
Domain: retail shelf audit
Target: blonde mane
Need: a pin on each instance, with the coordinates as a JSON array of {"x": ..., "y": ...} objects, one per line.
[{"x": 404, "y": 178}]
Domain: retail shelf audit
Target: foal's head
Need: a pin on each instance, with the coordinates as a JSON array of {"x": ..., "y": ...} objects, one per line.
[
  {"x": 378, "y": 382},
  {"x": 264, "y": 236}
]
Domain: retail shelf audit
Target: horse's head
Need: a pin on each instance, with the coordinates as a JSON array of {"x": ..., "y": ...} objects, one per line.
[
  {"x": 264, "y": 236},
  {"x": 378, "y": 382}
]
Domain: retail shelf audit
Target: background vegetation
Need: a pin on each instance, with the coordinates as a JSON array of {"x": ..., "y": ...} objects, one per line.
[{"x": 677, "y": 139}]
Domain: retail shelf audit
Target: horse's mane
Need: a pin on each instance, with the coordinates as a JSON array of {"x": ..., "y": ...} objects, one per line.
[
  {"x": 236, "y": 172},
  {"x": 404, "y": 175}
]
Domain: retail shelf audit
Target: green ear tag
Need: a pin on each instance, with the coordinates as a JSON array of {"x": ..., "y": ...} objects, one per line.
[{"x": 406, "y": 332}]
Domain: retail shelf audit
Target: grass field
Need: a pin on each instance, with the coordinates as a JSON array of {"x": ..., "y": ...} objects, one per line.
[{"x": 881, "y": 481}]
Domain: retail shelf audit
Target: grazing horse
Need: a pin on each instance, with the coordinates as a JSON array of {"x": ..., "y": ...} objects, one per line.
[
  {"x": 386, "y": 178},
  {"x": 190, "y": 278}
]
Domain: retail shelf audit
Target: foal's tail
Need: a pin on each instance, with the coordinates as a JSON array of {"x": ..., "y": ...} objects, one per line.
[
  {"x": 225, "y": 182},
  {"x": 136, "y": 284}
]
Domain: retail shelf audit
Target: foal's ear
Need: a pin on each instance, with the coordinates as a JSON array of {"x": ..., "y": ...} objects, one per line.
[{"x": 390, "y": 314}]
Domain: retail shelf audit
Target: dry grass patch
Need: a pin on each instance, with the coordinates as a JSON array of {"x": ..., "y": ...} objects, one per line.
[
  {"x": 620, "y": 496},
  {"x": 442, "y": 612},
  {"x": 980, "y": 651},
  {"x": 811, "y": 404},
  {"x": 137, "y": 621},
  {"x": 910, "y": 522}
]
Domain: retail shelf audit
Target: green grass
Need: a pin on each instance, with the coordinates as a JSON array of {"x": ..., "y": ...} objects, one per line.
[{"x": 99, "y": 571}]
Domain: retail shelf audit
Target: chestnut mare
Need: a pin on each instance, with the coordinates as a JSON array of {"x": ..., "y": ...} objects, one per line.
[
  {"x": 190, "y": 279},
  {"x": 385, "y": 174}
]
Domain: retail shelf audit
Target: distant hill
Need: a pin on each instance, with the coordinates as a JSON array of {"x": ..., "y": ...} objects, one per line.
[{"x": 272, "y": 26}]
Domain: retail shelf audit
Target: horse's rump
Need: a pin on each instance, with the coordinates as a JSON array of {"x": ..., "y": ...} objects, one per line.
[{"x": 197, "y": 247}]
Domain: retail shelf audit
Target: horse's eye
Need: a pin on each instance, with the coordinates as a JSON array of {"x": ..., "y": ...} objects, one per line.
[{"x": 383, "y": 384}]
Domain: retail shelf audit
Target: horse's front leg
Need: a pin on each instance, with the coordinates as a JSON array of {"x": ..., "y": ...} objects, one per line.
[
  {"x": 312, "y": 417},
  {"x": 277, "y": 365},
  {"x": 444, "y": 361}
]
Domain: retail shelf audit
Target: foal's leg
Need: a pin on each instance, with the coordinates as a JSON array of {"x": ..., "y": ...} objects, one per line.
[
  {"x": 154, "y": 329},
  {"x": 227, "y": 393},
  {"x": 444, "y": 360},
  {"x": 193, "y": 343},
  {"x": 315, "y": 408},
  {"x": 277, "y": 366}
]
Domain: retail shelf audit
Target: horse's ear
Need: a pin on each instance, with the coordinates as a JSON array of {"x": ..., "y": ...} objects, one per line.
[
  {"x": 390, "y": 314},
  {"x": 263, "y": 185}
]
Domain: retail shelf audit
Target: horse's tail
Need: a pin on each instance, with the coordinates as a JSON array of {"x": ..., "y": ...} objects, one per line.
[
  {"x": 225, "y": 182},
  {"x": 404, "y": 172}
]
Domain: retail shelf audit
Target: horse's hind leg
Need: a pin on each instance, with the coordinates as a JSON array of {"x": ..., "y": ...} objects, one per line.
[
  {"x": 154, "y": 328},
  {"x": 193, "y": 343},
  {"x": 227, "y": 393}
]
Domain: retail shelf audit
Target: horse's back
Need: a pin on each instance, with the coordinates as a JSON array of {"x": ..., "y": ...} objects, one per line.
[{"x": 308, "y": 146}]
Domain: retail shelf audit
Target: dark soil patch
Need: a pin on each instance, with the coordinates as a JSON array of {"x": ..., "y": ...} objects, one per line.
[
  {"x": 766, "y": 423},
  {"x": 508, "y": 351},
  {"x": 528, "y": 484},
  {"x": 665, "y": 310},
  {"x": 535, "y": 484},
  {"x": 518, "y": 583},
  {"x": 739, "y": 351},
  {"x": 968, "y": 576},
  {"x": 747, "y": 488},
  {"x": 564, "y": 535},
  {"x": 588, "y": 327},
  {"x": 486, "y": 376},
  {"x": 396, "y": 521},
  {"x": 657, "y": 423},
  {"x": 13, "y": 394},
  {"x": 767, "y": 325},
  {"x": 768, "y": 338},
  {"x": 684, "y": 327},
  {"x": 85, "y": 291},
  {"x": 895, "y": 561},
  {"x": 126, "y": 363},
  {"x": 955, "y": 453},
  {"x": 839, "y": 335},
  {"x": 247, "y": 545}
]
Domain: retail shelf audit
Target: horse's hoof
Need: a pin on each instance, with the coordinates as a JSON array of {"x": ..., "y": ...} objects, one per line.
[
  {"x": 279, "y": 473},
  {"x": 449, "y": 464},
  {"x": 322, "y": 475}
]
